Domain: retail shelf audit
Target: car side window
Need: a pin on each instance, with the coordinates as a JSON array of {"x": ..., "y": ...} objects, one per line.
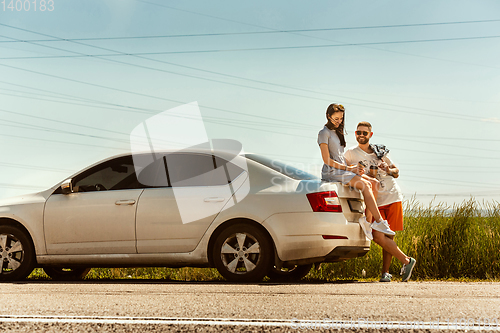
[
  {"x": 187, "y": 169},
  {"x": 194, "y": 170},
  {"x": 233, "y": 171},
  {"x": 117, "y": 174}
]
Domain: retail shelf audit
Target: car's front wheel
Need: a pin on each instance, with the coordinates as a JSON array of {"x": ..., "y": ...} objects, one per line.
[
  {"x": 242, "y": 253},
  {"x": 66, "y": 274},
  {"x": 17, "y": 254}
]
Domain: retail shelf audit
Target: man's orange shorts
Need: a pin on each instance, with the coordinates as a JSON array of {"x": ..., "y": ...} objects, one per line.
[{"x": 393, "y": 213}]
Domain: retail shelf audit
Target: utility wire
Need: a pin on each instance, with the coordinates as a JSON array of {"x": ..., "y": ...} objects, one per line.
[
  {"x": 253, "y": 48},
  {"x": 66, "y": 50},
  {"x": 23, "y": 187},
  {"x": 446, "y": 115},
  {"x": 253, "y": 32},
  {"x": 35, "y": 167},
  {"x": 212, "y": 120},
  {"x": 461, "y": 181},
  {"x": 433, "y": 113},
  {"x": 152, "y": 111},
  {"x": 418, "y": 180},
  {"x": 305, "y": 35}
]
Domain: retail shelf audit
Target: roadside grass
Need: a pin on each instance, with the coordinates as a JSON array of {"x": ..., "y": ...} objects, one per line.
[
  {"x": 450, "y": 243},
  {"x": 144, "y": 273}
]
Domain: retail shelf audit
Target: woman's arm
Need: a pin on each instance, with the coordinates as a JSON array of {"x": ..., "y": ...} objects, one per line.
[{"x": 325, "y": 154}]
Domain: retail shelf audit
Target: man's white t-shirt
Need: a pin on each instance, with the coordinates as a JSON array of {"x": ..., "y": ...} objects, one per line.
[{"x": 389, "y": 191}]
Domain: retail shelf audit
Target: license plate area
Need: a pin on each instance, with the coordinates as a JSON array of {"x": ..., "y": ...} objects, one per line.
[{"x": 356, "y": 206}]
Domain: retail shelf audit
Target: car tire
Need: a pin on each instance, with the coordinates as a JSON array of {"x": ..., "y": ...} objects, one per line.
[
  {"x": 242, "y": 253},
  {"x": 66, "y": 274},
  {"x": 17, "y": 255},
  {"x": 289, "y": 274}
]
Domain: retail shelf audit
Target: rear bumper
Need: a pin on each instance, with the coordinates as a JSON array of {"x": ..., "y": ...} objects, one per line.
[
  {"x": 341, "y": 253},
  {"x": 299, "y": 237}
]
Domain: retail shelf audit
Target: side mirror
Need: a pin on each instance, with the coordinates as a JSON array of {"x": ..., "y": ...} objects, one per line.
[{"x": 67, "y": 186}]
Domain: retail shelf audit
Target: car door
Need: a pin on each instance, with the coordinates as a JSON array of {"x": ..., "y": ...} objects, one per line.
[
  {"x": 174, "y": 216},
  {"x": 98, "y": 217}
]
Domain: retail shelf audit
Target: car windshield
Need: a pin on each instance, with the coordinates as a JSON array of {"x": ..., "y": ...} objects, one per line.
[{"x": 281, "y": 167}]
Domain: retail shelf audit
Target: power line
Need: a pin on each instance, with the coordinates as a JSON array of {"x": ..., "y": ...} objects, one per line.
[
  {"x": 129, "y": 64},
  {"x": 461, "y": 181},
  {"x": 57, "y": 141},
  {"x": 48, "y": 129},
  {"x": 222, "y": 122},
  {"x": 454, "y": 115},
  {"x": 439, "y": 144},
  {"x": 35, "y": 167},
  {"x": 23, "y": 187},
  {"x": 205, "y": 118},
  {"x": 256, "y": 48},
  {"x": 447, "y": 154},
  {"x": 451, "y": 194},
  {"x": 187, "y": 75},
  {"x": 141, "y": 94},
  {"x": 438, "y": 183},
  {"x": 299, "y": 34},
  {"x": 396, "y": 136},
  {"x": 152, "y": 111},
  {"x": 279, "y": 31}
]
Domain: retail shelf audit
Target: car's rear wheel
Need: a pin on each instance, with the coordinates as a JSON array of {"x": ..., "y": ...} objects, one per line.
[
  {"x": 242, "y": 253},
  {"x": 290, "y": 273},
  {"x": 66, "y": 274},
  {"x": 17, "y": 254}
]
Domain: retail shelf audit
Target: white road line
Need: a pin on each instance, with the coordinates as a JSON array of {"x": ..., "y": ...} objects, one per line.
[
  {"x": 145, "y": 320},
  {"x": 292, "y": 323}
]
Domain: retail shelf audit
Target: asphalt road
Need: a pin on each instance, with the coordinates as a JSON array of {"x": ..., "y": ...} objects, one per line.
[{"x": 150, "y": 306}]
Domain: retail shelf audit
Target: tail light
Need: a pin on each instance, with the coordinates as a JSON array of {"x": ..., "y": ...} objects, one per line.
[{"x": 324, "y": 202}]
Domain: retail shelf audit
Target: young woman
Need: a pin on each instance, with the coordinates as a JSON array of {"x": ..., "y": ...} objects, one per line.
[{"x": 331, "y": 141}]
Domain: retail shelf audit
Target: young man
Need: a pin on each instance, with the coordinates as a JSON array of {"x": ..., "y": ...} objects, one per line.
[{"x": 389, "y": 196}]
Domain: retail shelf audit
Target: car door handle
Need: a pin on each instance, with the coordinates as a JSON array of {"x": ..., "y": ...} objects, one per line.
[
  {"x": 125, "y": 202},
  {"x": 214, "y": 199}
]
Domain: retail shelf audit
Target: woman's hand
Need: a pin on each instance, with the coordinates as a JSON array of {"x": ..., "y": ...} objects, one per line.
[{"x": 356, "y": 169}]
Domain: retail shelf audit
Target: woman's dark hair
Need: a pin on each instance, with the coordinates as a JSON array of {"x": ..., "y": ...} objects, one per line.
[{"x": 332, "y": 108}]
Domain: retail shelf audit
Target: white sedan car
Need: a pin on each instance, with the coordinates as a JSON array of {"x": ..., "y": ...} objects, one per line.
[{"x": 191, "y": 208}]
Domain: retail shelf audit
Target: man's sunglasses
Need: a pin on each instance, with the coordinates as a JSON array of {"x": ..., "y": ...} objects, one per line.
[{"x": 365, "y": 133}]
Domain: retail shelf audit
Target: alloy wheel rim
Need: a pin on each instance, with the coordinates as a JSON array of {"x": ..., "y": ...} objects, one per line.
[
  {"x": 240, "y": 253},
  {"x": 11, "y": 253}
]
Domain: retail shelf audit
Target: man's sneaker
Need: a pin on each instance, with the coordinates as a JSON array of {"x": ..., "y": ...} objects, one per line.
[
  {"x": 383, "y": 227},
  {"x": 386, "y": 277},
  {"x": 407, "y": 269},
  {"x": 366, "y": 226}
]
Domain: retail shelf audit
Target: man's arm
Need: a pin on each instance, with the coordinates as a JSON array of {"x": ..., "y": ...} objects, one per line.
[
  {"x": 393, "y": 171},
  {"x": 389, "y": 167}
]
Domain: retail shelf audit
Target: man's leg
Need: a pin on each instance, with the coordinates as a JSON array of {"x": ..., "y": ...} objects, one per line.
[
  {"x": 386, "y": 258},
  {"x": 393, "y": 213},
  {"x": 390, "y": 246}
]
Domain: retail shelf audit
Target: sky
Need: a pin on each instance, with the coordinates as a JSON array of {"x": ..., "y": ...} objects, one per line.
[{"x": 77, "y": 77}]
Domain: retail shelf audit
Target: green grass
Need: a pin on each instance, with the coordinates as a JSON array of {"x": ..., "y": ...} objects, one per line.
[
  {"x": 448, "y": 242},
  {"x": 452, "y": 243},
  {"x": 144, "y": 273}
]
